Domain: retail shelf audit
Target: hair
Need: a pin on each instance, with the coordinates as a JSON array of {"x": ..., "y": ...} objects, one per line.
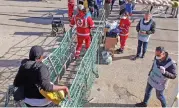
[
  {"x": 148, "y": 12},
  {"x": 160, "y": 48}
]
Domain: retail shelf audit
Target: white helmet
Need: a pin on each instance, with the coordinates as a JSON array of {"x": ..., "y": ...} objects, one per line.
[{"x": 81, "y": 7}]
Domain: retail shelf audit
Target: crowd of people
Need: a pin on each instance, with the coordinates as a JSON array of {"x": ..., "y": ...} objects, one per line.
[{"x": 32, "y": 71}]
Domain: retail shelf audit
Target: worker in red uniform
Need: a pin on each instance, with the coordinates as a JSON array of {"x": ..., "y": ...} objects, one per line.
[
  {"x": 84, "y": 25},
  {"x": 124, "y": 26},
  {"x": 71, "y": 4}
]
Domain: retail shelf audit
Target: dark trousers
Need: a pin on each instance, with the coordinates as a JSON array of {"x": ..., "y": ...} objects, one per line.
[
  {"x": 49, "y": 105},
  {"x": 96, "y": 10},
  {"x": 112, "y": 4},
  {"x": 142, "y": 46},
  {"x": 151, "y": 8},
  {"x": 159, "y": 94},
  {"x": 174, "y": 12},
  {"x": 122, "y": 12}
]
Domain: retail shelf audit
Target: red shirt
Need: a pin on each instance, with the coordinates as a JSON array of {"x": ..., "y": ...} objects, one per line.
[
  {"x": 83, "y": 24},
  {"x": 124, "y": 27}
]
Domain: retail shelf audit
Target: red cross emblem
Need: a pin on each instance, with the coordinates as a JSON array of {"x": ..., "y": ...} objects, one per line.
[{"x": 79, "y": 23}]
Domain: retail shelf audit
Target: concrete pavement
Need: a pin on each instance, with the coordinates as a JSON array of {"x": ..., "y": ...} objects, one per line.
[
  {"x": 123, "y": 83},
  {"x": 23, "y": 25},
  {"x": 120, "y": 84}
]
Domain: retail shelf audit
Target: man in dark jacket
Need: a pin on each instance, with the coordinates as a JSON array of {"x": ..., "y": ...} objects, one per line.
[
  {"x": 145, "y": 28},
  {"x": 93, "y": 7},
  {"x": 163, "y": 68},
  {"x": 33, "y": 72}
]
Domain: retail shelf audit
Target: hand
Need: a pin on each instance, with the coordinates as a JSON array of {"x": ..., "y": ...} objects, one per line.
[
  {"x": 162, "y": 69},
  {"x": 64, "y": 88},
  {"x": 143, "y": 32},
  {"x": 67, "y": 92}
]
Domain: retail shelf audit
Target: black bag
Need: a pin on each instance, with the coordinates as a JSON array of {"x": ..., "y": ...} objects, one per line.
[{"x": 19, "y": 94}]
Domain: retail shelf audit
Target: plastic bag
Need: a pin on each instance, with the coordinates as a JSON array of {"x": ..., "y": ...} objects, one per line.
[
  {"x": 111, "y": 25},
  {"x": 55, "y": 97},
  {"x": 107, "y": 58}
]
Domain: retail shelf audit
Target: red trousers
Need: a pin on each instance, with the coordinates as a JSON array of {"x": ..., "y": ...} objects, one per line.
[
  {"x": 70, "y": 10},
  {"x": 80, "y": 40},
  {"x": 123, "y": 41}
]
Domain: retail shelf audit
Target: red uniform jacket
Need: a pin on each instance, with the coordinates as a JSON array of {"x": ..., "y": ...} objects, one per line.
[
  {"x": 124, "y": 26},
  {"x": 83, "y": 24},
  {"x": 71, "y": 1}
]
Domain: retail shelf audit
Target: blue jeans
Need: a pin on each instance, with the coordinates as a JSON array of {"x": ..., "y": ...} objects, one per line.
[
  {"x": 159, "y": 94},
  {"x": 144, "y": 49}
]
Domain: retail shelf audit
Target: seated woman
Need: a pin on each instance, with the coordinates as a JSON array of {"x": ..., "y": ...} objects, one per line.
[{"x": 33, "y": 72}]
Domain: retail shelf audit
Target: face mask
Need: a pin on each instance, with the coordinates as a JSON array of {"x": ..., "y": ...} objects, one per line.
[
  {"x": 123, "y": 17},
  {"x": 158, "y": 58},
  {"x": 146, "y": 21}
]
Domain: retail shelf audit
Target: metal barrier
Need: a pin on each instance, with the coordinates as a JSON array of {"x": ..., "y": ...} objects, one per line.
[
  {"x": 87, "y": 71},
  {"x": 57, "y": 61}
]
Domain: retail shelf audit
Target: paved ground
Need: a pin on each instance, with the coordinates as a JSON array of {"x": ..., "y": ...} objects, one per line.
[
  {"x": 21, "y": 27},
  {"x": 120, "y": 84},
  {"x": 123, "y": 83}
]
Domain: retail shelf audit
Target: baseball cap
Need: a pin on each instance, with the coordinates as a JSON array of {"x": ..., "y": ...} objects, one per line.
[
  {"x": 36, "y": 52},
  {"x": 160, "y": 48}
]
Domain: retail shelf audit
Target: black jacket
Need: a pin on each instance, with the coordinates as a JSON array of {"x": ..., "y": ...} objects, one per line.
[
  {"x": 152, "y": 29},
  {"x": 30, "y": 74}
]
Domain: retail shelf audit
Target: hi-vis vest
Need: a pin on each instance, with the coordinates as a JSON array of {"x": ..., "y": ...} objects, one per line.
[
  {"x": 83, "y": 28},
  {"x": 156, "y": 79},
  {"x": 142, "y": 37}
]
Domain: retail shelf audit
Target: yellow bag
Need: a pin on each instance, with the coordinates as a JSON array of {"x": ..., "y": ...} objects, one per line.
[
  {"x": 55, "y": 97},
  {"x": 85, "y": 3}
]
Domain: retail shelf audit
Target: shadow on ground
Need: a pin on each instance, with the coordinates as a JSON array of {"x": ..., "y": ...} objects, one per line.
[
  {"x": 27, "y": 0},
  {"x": 9, "y": 65},
  {"x": 122, "y": 57},
  {"x": 46, "y": 18},
  {"x": 108, "y": 105}
]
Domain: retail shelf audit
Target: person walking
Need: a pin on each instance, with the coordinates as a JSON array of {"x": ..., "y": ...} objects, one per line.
[
  {"x": 33, "y": 72},
  {"x": 145, "y": 28},
  {"x": 129, "y": 7},
  {"x": 175, "y": 5},
  {"x": 163, "y": 69},
  {"x": 84, "y": 25},
  {"x": 71, "y": 4},
  {"x": 124, "y": 26},
  {"x": 93, "y": 7},
  {"x": 112, "y": 4},
  {"x": 122, "y": 4},
  {"x": 107, "y": 8}
]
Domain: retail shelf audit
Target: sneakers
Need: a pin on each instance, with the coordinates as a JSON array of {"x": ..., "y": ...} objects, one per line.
[
  {"x": 142, "y": 104},
  {"x": 120, "y": 51},
  {"x": 136, "y": 57},
  {"x": 142, "y": 56}
]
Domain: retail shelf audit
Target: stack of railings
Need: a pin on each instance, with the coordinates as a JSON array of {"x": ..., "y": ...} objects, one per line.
[
  {"x": 57, "y": 60},
  {"x": 87, "y": 71}
]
